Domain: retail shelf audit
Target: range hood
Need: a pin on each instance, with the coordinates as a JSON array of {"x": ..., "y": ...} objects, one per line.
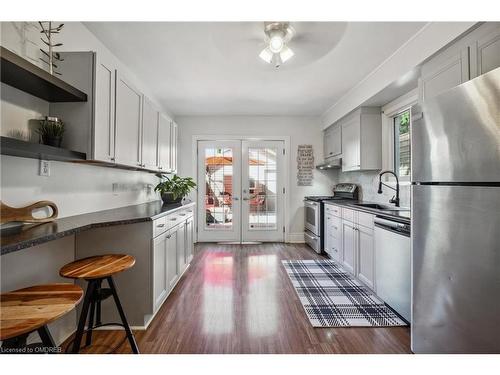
[{"x": 331, "y": 163}]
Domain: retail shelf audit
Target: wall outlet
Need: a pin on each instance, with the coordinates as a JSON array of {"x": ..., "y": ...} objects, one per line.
[{"x": 44, "y": 168}]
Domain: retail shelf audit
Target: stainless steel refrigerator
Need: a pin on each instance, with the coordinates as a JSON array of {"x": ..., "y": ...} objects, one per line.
[{"x": 455, "y": 154}]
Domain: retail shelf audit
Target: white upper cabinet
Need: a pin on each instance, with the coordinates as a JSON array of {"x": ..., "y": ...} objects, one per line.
[
  {"x": 173, "y": 146},
  {"x": 128, "y": 121},
  {"x": 362, "y": 140},
  {"x": 149, "y": 149},
  {"x": 476, "y": 53},
  {"x": 164, "y": 143},
  {"x": 444, "y": 72},
  {"x": 332, "y": 141},
  {"x": 104, "y": 111},
  {"x": 485, "y": 52}
]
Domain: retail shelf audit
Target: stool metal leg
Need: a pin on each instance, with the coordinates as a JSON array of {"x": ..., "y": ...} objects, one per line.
[
  {"x": 83, "y": 316},
  {"x": 88, "y": 336},
  {"x": 46, "y": 337},
  {"x": 130, "y": 335},
  {"x": 98, "y": 320}
]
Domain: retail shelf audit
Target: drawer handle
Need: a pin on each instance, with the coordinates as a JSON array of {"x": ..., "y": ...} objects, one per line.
[
  {"x": 174, "y": 219},
  {"x": 160, "y": 225},
  {"x": 182, "y": 214}
]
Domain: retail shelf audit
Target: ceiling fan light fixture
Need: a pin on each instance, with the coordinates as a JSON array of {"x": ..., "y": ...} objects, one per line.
[
  {"x": 278, "y": 34},
  {"x": 266, "y": 55},
  {"x": 276, "y": 43},
  {"x": 286, "y": 54}
]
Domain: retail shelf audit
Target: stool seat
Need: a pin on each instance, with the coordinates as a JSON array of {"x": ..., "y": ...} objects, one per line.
[
  {"x": 97, "y": 267},
  {"x": 25, "y": 310}
]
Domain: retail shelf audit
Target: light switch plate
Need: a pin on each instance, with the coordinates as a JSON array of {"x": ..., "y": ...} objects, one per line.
[{"x": 44, "y": 168}]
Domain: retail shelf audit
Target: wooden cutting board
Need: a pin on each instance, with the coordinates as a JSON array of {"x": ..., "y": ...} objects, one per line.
[{"x": 25, "y": 214}]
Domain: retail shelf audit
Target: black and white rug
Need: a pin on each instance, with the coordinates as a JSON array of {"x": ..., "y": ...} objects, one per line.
[{"x": 331, "y": 297}]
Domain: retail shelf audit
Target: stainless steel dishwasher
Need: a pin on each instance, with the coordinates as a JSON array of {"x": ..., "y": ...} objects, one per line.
[{"x": 393, "y": 264}]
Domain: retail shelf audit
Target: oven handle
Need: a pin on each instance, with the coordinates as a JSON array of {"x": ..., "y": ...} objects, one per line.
[{"x": 311, "y": 237}]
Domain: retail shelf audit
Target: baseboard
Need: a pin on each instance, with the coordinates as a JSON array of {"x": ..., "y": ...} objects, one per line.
[{"x": 296, "y": 237}]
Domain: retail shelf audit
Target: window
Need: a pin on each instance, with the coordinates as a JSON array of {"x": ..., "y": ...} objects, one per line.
[{"x": 402, "y": 160}]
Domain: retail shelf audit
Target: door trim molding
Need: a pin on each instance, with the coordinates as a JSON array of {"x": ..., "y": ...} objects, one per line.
[{"x": 224, "y": 137}]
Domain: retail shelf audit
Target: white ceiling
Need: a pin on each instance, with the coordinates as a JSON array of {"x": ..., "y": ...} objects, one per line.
[{"x": 213, "y": 68}]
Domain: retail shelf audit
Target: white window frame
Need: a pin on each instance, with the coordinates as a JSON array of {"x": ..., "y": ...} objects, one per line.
[{"x": 389, "y": 112}]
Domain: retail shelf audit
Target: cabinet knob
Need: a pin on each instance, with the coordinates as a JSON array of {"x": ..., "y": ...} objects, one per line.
[
  {"x": 112, "y": 159},
  {"x": 160, "y": 225}
]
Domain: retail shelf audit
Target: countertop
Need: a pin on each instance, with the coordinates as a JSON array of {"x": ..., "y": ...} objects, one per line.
[
  {"x": 402, "y": 215},
  {"x": 22, "y": 237}
]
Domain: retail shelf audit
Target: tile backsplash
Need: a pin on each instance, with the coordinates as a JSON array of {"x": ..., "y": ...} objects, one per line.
[{"x": 368, "y": 184}]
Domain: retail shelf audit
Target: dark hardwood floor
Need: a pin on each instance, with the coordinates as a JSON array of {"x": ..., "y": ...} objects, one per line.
[{"x": 238, "y": 299}]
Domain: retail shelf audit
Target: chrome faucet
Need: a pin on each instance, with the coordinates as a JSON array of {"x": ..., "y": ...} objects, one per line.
[{"x": 395, "y": 199}]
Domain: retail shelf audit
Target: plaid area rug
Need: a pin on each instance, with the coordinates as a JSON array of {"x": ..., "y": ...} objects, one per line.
[{"x": 331, "y": 297}]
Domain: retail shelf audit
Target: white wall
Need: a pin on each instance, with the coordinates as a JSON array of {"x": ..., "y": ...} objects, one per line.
[{"x": 301, "y": 130}]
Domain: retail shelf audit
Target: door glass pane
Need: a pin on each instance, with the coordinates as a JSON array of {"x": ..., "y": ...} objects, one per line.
[
  {"x": 263, "y": 188},
  {"x": 218, "y": 188}
]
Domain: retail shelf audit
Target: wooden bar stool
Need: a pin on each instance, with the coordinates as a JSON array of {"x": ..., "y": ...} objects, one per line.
[
  {"x": 94, "y": 270},
  {"x": 27, "y": 310}
]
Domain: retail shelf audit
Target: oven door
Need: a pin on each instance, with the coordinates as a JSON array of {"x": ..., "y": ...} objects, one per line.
[{"x": 312, "y": 216}]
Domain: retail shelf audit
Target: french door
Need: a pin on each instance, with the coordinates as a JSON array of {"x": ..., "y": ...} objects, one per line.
[{"x": 240, "y": 191}]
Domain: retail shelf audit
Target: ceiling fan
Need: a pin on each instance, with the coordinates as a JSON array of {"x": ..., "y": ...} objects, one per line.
[{"x": 277, "y": 36}]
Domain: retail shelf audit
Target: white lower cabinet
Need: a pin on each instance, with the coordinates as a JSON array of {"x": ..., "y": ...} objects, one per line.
[
  {"x": 349, "y": 246},
  {"x": 172, "y": 252},
  {"x": 366, "y": 259},
  {"x": 160, "y": 286},
  {"x": 349, "y": 240}
]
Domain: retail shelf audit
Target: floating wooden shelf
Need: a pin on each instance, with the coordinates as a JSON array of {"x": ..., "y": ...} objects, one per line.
[
  {"x": 25, "y": 76},
  {"x": 16, "y": 147}
]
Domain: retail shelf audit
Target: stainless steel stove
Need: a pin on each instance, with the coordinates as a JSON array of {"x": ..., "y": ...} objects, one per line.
[{"x": 314, "y": 213}]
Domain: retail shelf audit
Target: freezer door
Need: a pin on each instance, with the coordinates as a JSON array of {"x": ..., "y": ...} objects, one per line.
[
  {"x": 455, "y": 137},
  {"x": 456, "y": 269}
]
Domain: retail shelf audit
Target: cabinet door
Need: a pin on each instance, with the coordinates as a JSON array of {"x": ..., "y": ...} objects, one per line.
[
  {"x": 333, "y": 141},
  {"x": 149, "y": 154},
  {"x": 189, "y": 240},
  {"x": 351, "y": 143},
  {"x": 181, "y": 247},
  {"x": 104, "y": 111},
  {"x": 366, "y": 259},
  {"x": 171, "y": 258},
  {"x": 128, "y": 123},
  {"x": 349, "y": 246},
  {"x": 328, "y": 234},
  {"x": 164, "y": 143},
  {"x": 444, "y": 72},
  {"x": 485, "y": 53},
  {"x": 173, "y": 147},
  {"x": 160, "y": 285}
]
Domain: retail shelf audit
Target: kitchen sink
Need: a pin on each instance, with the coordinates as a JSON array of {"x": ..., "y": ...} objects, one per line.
[{"x": 380, "y": 206}]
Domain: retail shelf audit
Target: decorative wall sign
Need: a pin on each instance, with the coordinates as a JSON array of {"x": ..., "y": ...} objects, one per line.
[{"x": 305, "y": 165}]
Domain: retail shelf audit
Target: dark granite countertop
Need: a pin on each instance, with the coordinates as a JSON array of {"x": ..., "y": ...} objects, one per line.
[
  {"x": 402, "y": 214},
  {"x": 21, "y": 237}
]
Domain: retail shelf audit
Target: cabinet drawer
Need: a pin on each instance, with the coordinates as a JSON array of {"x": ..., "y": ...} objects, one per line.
[
  {"x": 336, "y": 227},
  {"x": 348, "y": 214},
  {"x": 365, "y": 219},
  {"x": 159, "y": 226},
  {"x": 172, "y": 220},
  {"x": 334, "y": 210}
]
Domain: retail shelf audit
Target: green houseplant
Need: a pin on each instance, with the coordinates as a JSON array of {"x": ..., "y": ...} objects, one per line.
[
  {"x": 173, "y": 189},
  {"x": 51, "y": 131}
]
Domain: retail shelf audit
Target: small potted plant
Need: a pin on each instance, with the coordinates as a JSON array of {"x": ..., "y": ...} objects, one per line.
[
  {"x": 173, "y": 189},
  {"x": 51, "y": 131}
]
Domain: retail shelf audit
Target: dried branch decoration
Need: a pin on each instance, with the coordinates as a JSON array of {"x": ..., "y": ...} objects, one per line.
[{"x": 50, "y": 56}]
